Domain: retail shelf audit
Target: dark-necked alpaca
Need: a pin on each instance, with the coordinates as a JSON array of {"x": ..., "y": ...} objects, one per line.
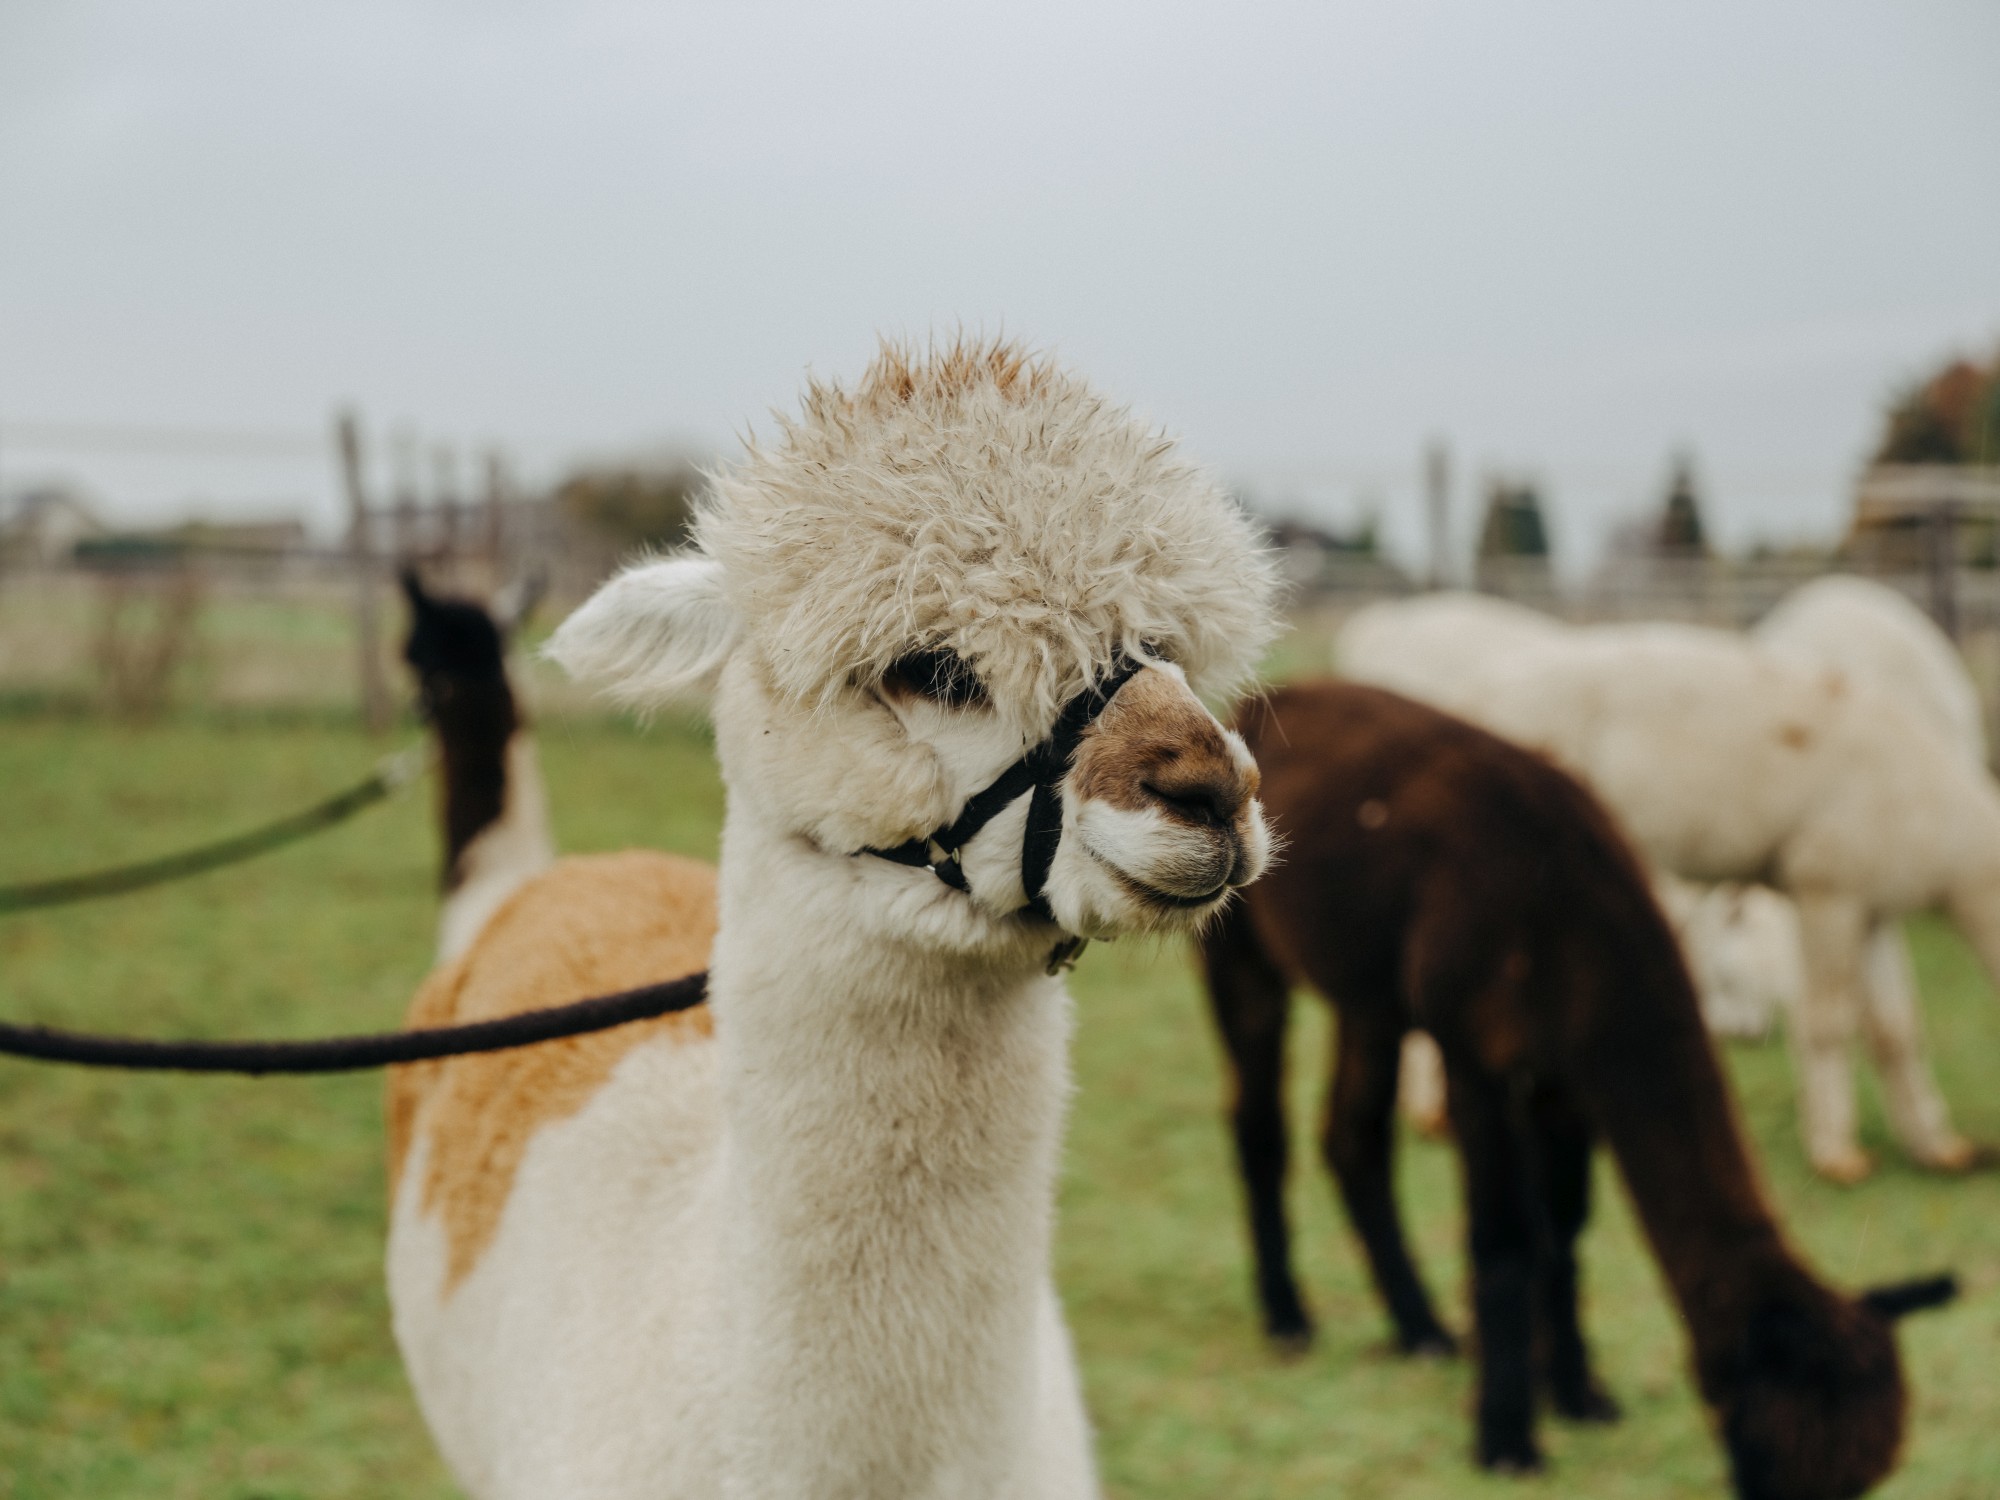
[
  {"x": 1438, "y": 877},
  {"x": 496, "y": 823}
]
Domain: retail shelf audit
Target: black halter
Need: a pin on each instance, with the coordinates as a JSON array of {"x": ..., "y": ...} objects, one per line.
[{"x": 1041, "y": 771}]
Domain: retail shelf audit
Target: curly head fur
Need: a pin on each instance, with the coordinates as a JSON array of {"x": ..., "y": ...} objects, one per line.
[{"x": 977, "y": 497}]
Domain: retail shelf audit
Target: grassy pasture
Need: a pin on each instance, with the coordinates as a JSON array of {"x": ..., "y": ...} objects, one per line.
[{"x": 190, "y": 1298}]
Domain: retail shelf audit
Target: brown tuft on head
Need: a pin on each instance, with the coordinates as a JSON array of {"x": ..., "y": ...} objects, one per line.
[{"x": 903, "y": 375}]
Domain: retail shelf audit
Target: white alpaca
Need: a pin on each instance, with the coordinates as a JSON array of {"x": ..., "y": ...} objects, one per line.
[
  {"x": 1742, "y": 946},
  {"x": 796, "y": 1243},
  {"x": 1439, "y": 648},
  {"x": 1741, "y": 942},
  {"x": 1875, "y": 635},
  {"x": 1726, "y": 761}
]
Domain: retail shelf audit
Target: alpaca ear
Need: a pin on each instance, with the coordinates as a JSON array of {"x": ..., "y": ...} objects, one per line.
[
  {"x": 517, "y": 599},
  {"x": 1905, "y": 1297},
  {"x": 413, "y": 587},
  {"x": 657, "y": 632}
]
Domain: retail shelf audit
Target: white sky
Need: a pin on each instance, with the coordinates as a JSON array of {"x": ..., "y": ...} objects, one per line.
[{"x": 1569, "y": 237}]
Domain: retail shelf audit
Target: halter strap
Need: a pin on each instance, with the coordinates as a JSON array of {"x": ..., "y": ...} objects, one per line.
[{"x": 1040, "y": 772}]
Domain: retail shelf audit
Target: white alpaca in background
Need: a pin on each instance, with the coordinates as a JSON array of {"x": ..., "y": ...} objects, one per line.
[
  {"x": 796, "y": 1243},
  {"x": 1876, "y": 636},
  {"x": 1727, "y": 761},
  {"x": 1742, "y": 946},
  {"x": 1741, "y": 941}
]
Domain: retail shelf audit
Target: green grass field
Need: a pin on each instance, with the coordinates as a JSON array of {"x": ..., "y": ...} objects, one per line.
[{"x": 190, "y": 1296}]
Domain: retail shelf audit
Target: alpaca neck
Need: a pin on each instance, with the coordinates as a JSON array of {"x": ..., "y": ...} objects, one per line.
[
  {"x": 1643, "y": 1060},
  {"x": 892, "y": 1118},
  {"x": 496, "y": 824},
  {"x": 474, "y": 722}
]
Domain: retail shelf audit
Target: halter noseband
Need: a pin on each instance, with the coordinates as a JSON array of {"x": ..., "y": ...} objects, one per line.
[{"x": 1040, "y": 771}]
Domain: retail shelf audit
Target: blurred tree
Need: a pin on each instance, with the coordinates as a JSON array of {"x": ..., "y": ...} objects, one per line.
[
  {"x": 1681, "y": 533},
  {"x": 1953, "y": 417},
  {"x": 1513, "y": 526},
  {"x": 635, "y": 505}
]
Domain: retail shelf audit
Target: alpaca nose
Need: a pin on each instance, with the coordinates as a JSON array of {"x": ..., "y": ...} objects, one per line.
[{"x": 1208, "y": 791}]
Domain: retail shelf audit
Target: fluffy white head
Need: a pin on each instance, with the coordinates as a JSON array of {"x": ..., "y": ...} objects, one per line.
[{"x": 894, "y": 600}]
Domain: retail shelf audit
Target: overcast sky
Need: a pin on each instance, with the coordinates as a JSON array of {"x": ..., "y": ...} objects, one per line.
[{"x": 1568, "y": 237}]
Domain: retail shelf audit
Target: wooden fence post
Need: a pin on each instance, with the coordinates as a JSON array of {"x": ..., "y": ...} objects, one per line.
[
  {"x": 1437, "y": 509},
  {"x": 496, "y": 516},
  {"x": 361, "y": 559},
  {"x": 408, "y": 542},
  {"x": 444, "y": 500},
  {"x": 1941, "y": 563}
]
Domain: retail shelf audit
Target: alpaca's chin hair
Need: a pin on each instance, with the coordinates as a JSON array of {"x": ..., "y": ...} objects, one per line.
[
  {"x": 1096, "y": 897},
  {"x": 1139, "y": 871}
]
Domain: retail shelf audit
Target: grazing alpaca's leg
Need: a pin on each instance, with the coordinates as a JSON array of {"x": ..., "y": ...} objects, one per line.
[
  {"x": 1359, "y": 1143},
  {"x": 1251, "y": 1002},
  {"x": 1832, "y": 927},
  {"x": 1501, "y": 1227},
  {"x": 1562, "y": 1146},
  {"x": 1894, "y": 1026}
]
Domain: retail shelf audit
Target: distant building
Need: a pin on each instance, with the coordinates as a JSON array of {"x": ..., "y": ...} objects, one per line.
[
  {"x": 260, "y": 542},
  {"x": 1313, "y": 557},
  {"x": 265, "y": 538},
  {"x": 44, "y": 525}
]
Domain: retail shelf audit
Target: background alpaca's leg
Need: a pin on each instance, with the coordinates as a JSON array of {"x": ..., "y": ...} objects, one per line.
[
  {"x": 1359, "y": 1142},
  {"x": 1832, "y": 929},
  {"x": 1251, "y": 1002},
  {"x": 1421, "y": 1088},
  {"x": 1892, "y": 1019},
  {"x": 1501, "y": 1227},
  {"x": 1562, "y": 1146}
]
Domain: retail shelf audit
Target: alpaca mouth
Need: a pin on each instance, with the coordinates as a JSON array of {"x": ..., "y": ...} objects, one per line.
[{"x": 1153, "y": 895}]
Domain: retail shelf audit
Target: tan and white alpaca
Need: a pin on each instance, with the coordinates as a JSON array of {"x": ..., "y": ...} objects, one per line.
[
  {"x": 494, "y": 806},
  {"x": 796, "y": 1243}
]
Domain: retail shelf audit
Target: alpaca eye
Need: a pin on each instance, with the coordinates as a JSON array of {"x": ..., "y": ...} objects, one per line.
[{"x": 941, "y": 676}]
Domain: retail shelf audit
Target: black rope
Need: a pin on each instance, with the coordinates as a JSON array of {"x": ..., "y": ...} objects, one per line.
[
  {"x": 388, "y": 777},
  {"x": 345, "y": 1054}
]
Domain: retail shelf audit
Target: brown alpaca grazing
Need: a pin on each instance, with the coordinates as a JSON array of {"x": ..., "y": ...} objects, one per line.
[{"x": 1438, "y": 877}]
